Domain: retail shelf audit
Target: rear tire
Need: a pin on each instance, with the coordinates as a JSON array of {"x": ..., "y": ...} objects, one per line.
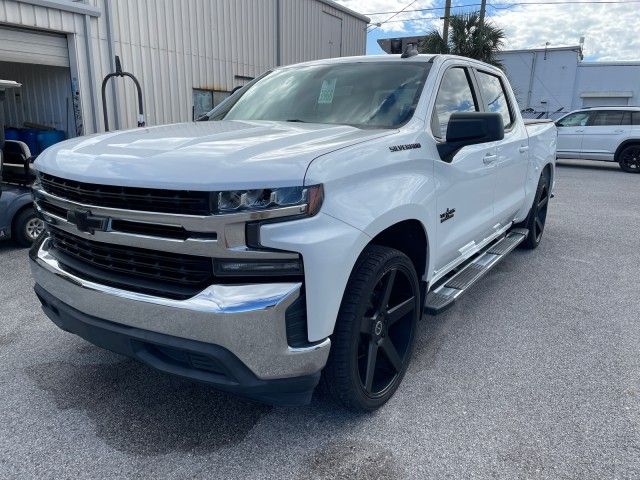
[
  {"x": 27, "y": 228},
  {"x": 375, "y": 330},
  {"x": 629, "y": 159},
  {"x": 537, "y": 218}
]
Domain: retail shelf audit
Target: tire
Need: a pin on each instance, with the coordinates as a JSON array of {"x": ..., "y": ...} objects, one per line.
[
  {"x": 27, "y": 228},
  {"x": 629, "y": 159},
  {"x": 375, "y": 330},
  {"x": 537, "y": 217}
]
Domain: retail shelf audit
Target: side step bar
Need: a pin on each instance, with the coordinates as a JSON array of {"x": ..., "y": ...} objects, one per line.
[{"x": 449, "y": 289}]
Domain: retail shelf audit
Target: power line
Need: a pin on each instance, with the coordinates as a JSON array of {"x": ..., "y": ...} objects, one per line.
[
  {"x": 413, "y": 19},
  {"x": 508, "y": 5},
  {"x": 392, "y": 16}
]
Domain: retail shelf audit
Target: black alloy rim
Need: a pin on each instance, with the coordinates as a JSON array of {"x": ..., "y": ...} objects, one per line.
[
  {"x": 541, "y": 213},
  {"x": 386, "y": 331},
  {"x": 631, "y": 158}
]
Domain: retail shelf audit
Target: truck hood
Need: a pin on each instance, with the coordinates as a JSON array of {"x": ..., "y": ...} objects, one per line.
[{"x": 214, "y": 155}]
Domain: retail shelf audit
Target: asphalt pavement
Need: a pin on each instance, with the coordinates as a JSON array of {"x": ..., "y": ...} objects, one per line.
[{"x": 535, "y": 373}]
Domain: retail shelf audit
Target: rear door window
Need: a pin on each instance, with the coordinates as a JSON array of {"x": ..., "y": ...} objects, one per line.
[
  {"x": 607, "y": 118},
  {"x": 495, "y": 96}
]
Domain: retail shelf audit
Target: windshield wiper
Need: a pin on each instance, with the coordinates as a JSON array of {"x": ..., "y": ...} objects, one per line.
[{"x": 296, "y": 120}]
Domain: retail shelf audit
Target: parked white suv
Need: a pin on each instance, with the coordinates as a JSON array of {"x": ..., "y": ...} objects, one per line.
[
  {"x": 611, "y": 134},
  {"x": 301, "y": 228}
]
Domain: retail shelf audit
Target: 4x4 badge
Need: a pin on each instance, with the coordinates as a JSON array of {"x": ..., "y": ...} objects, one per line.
[{"x": 447, "y": 215}]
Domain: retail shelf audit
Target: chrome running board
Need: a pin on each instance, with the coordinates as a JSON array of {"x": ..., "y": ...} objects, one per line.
[{"x": 463, "y": 278}]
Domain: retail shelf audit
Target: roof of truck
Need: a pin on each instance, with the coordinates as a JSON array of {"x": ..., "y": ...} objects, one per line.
[{"x": 388, "y": 58}]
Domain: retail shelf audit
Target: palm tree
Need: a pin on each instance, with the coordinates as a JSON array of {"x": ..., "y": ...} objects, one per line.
[{"x": 468, "y": 38}]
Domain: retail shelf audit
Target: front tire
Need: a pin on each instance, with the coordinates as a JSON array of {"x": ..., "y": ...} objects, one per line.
[
  {"x": 537, "y": 218},
  {"x": 375, "y": 330},
  {"x": 629, "y": 159},
  {"x": 27, "y": 228}
]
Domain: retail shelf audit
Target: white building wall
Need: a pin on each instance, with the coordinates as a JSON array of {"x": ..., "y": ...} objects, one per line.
[
  {"x": 544, "y": 81},
  {"x": 174, "y": 46},
  {"x": 607, "y": 83},
  {"x": 302, "y": 31},
  {"x": 560, "y": 79}
]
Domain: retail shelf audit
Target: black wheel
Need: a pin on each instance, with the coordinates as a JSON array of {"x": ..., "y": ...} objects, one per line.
[
  {"x": 537, "y": 217},
  {"x": 27, "y": 228},
  {"x": 374, "y": 334},
  {"x": 629, "y": 159}
]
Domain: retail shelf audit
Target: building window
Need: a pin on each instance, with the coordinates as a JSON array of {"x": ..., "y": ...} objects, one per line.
[{"x": 205, "y": 100}]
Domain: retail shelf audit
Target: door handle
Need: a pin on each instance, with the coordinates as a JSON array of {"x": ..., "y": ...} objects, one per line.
[
  {"x": 523, "y": 149},
  {"x": 579, "y": 131},
  {"x": 618, "y": 131},
  {"x": 489, "y": 158}
]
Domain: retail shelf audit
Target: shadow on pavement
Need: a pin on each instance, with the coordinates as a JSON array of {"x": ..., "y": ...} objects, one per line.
[
  {"x": 140, "y": 411},
  {"x": 590, "y": 165}
]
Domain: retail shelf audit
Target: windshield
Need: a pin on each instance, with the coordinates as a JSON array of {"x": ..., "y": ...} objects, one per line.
[{"x": 366, "y": 95}]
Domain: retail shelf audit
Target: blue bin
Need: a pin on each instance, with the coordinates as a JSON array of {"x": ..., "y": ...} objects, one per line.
[
  {"x": 30, "y": 137},
  {"x": 11, "y": 133},
  {"x": 46, "y": 138}
]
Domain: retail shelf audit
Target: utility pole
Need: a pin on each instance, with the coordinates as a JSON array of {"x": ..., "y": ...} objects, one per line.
[
  {"x": 445, "y": 29},
  {"x": 483, "y": 7}
]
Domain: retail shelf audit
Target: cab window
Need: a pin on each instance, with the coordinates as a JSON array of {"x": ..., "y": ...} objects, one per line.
[{"x": 455, "y": 95}]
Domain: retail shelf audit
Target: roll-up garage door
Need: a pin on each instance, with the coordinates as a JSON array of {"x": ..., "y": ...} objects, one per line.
[{"x": 27, "y": 46}]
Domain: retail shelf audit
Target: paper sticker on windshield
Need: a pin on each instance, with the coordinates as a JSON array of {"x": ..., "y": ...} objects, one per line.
[{"x": 327, "y": 90}]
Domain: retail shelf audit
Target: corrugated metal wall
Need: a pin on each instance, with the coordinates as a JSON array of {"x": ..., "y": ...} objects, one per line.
[
  {"x": 17, "y": 14},
  {"x": 174, "y": 46},
  {"x": 302, "y": 31},
  {"x": 45, "y": 96}
]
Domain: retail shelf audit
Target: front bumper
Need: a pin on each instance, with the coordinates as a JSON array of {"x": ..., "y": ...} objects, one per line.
[{"x": 246, "y": 321}]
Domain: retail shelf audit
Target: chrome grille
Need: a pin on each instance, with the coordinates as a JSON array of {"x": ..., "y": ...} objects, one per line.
[{"x": 147, "y": 271}]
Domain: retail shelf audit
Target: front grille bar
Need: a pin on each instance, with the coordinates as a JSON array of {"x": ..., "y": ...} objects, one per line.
[{"x": 221, "y": 236}]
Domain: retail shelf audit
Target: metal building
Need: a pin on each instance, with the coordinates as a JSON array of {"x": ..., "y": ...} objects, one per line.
[
  {"x": 187, "y": 54},
  {"x": 551, "y": 81}
]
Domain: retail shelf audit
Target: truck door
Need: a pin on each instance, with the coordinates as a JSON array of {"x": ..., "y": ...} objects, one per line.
[
  {"x": 512, "y": 162},
  {"x": 465, "y": 185}
]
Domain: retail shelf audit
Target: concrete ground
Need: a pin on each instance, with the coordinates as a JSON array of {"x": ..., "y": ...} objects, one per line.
[{"x": 535, "y": 373}]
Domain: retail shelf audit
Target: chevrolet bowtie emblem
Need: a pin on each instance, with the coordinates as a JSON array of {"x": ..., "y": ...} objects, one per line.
[{"x": 85, "y": 222}]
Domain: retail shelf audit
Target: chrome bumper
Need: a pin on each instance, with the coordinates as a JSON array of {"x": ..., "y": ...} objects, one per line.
[{"x": 247, "y": 320}]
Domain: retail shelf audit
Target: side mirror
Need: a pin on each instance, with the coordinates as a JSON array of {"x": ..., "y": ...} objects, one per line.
[{"x": 470, "y": 129}]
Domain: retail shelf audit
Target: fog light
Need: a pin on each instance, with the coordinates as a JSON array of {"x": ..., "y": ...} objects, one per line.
[{"x": 257, "y": 267}]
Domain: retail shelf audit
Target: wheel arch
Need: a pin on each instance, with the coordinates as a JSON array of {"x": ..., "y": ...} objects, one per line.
[
  {"x": 625, "y": 144},
  {"x": 410, "y": 237}
]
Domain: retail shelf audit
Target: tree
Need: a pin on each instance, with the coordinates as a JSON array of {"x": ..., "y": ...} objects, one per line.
[{"x": 467, "y": 38}]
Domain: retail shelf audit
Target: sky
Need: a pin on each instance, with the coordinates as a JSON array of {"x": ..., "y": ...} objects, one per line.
[{"x": 610, "y": 29}]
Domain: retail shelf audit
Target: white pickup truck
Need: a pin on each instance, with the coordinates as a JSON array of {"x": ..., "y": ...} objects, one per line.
[{"x": 301, "y": 228}]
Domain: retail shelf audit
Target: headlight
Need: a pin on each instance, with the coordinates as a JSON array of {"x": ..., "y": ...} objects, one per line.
[{"x": 309, "y": 198}]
